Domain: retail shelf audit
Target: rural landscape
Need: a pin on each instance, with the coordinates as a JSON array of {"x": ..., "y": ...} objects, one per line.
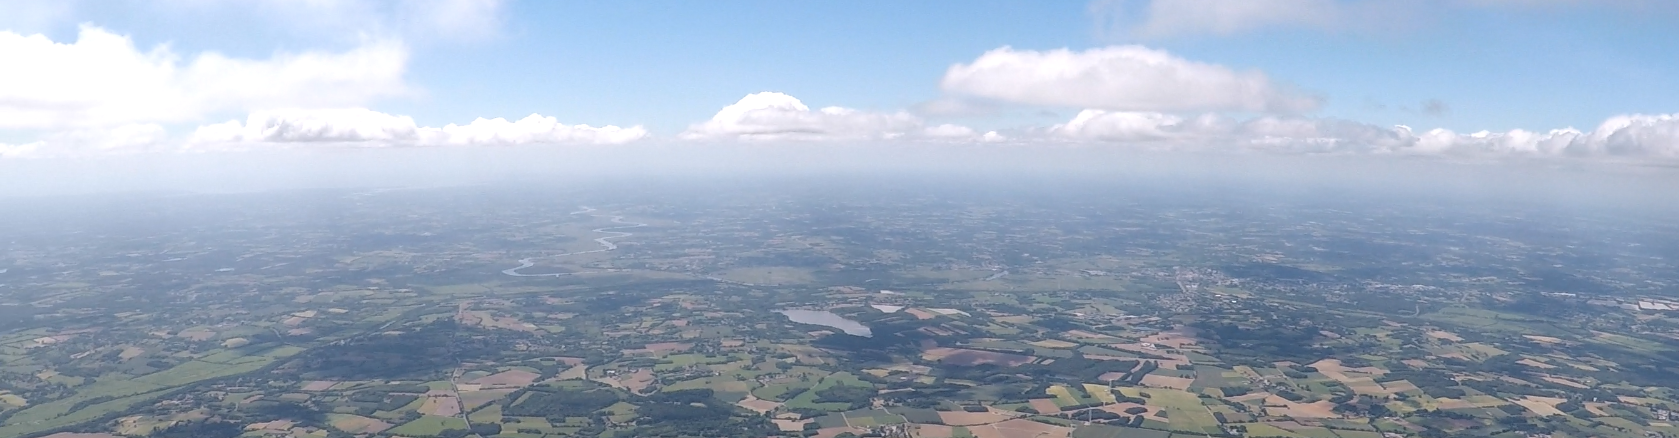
[
  {"x": 810, "y": 310},
  {"x": 839, "y": 219}
]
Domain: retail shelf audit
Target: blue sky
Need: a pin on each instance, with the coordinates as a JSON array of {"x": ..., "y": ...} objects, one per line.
[{"x": 1461, "y": 65}]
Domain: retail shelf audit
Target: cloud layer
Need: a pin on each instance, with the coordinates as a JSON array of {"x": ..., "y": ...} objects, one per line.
[
  {"x": 1644, "y": 136},
  {"x": 102, "y": 79},
  {"x": 770, "y": 116},
  {"x": 363, "y": 127},
  {"x": 102, "y": 95},
  {"x": 780, "y": 118},
  {"x": 1126, "y": 78}
]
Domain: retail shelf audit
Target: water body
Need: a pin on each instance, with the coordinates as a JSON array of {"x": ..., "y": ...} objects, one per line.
[{"x": 827, "y": 319}]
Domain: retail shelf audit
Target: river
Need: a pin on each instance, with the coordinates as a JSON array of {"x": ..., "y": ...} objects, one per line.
[{"x": 605, "y": 245}]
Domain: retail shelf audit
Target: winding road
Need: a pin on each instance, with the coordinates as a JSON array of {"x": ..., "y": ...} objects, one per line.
[{"x": 606, "y": 245}]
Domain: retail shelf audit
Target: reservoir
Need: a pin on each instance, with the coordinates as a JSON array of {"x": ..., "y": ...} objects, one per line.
[{"x": 826, "y": 318}]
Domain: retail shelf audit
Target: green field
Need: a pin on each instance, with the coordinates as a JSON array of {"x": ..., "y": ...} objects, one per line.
[
  {"x": 1066, "y": 396},
  {"x": 830, "y": 420},
  {"x": 490, "y": 413},
  {"x": 1215, "y": 377},
  {"x": 777, "y": 391},
  {"x": 807, "y": 399},
  {"x": 1489, "y": 320},
  {"x": 398, "y": 413},
  {"x": 1184, "y": 409},
  {"x": 871, "y": 418},
  {"x": 126, "y": 391},
  {"x": 58, "y": 414},
  {"x": 428, "y": 426}
]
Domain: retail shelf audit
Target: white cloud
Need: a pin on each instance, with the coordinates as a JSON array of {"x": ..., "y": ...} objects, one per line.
[
  {"x": 1319, "y": 135},
  {"x": 533, "y": 129},
  {"x": 1216, "y": 132},
  {"x": 117, "y": 140},
  {"x": 1127, "y": 78},
  {"x": 102, "y": 79},
  {"x": 959, "y": 133},
  {"x": 1514, "y": 142},
  {"x": 777, "y": 116},
  {"x": 1639, "y": 136},
  {"x": 357, "y": 126},
  {"x": 353, "y": 125},
  {"x": 1120, "y": 126},
  {"x": 948, "y": 131},
  {"x": 1636, "y": 135},
  {"x": 20, "y": 150}
]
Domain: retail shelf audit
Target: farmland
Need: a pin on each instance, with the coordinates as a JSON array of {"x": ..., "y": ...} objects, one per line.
[{"x": 1156, "y": 332}]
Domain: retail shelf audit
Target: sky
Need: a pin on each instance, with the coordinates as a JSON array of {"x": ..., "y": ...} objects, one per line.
[{"x": 1562, "y": 82}]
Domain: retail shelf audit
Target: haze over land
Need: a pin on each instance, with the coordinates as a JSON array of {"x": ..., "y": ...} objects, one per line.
[{"x": 1114, "y": 219}]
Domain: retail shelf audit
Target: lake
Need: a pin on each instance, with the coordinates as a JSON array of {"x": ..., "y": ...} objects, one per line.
[{"x": 827, "y": 319}]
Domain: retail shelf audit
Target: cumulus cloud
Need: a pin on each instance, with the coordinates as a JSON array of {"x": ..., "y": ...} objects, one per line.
[
  {"x": 364, "y": 127},
  {"x": 1126, "y": 78},
  {"x": 1642, "y": 136},
  {"x": 777, "y": 116},
  {"x": 1217, "y": 132},
  {"x": 533, "y": 129},
  {"x": 103, "y": 80},
  {"x": 948, "y": 131},
  {"x": 352, "y": 125},
  {"x": 1634, "y": 135},
  {"x": 1637, "y": 135},
  {"x": 1122, "y": 126}
]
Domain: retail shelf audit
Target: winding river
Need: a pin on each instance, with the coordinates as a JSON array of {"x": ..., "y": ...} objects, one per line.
[{"x": 605, "y": 245}]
